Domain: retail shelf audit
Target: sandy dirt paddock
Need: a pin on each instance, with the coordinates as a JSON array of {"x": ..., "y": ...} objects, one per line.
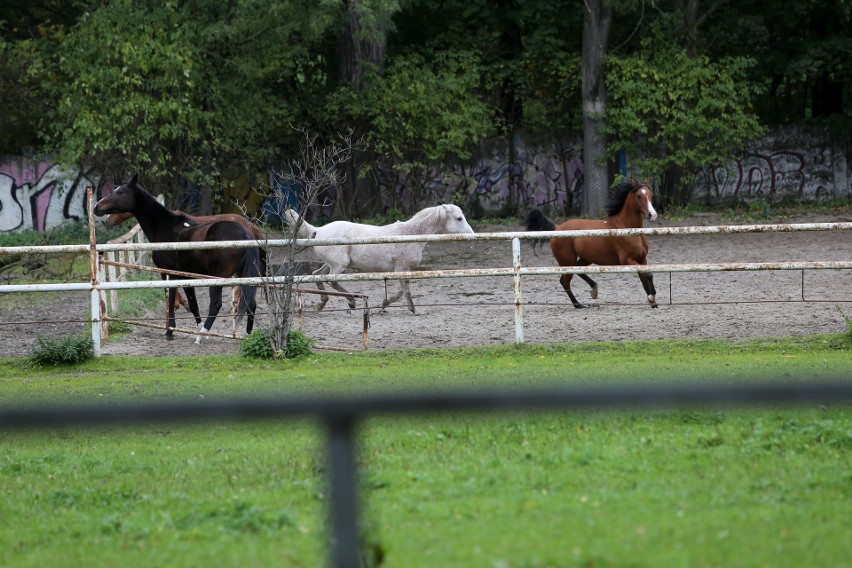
[{"x": 480, "y": 310}]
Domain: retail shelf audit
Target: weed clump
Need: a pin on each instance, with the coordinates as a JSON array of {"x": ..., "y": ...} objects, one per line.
[
  {"x": 67, "y": 351},
  {"x": 259, "y": 345}
]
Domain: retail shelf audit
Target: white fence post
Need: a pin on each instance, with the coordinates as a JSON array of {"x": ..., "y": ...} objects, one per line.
[{"x": 519, "y": 306}]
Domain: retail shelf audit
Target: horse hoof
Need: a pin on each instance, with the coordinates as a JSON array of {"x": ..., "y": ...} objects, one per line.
[
  {"x": 169, "y": 337},
  {"x": 593, "y": 293},
  {"x": 580, "y": 306}
]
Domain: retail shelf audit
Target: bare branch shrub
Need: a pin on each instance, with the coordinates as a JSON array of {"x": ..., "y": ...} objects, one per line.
[{"x": 317, "y": 168}]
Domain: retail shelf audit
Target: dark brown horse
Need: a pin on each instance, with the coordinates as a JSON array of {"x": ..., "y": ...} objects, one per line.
[
  {"x": 629, "y": 204},
  {"x": 115, "y": 219},
  {"x": 162, "y": 225}
]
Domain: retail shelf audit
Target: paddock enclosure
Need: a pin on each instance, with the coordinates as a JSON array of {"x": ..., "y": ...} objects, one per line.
[{"x": 480, "y": 310}]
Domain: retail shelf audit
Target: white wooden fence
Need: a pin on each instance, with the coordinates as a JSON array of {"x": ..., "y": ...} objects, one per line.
[{"x": 95, "y": 286}]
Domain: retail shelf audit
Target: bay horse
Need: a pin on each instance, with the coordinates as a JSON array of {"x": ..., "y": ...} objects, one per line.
[
  {"x": 163, "y": 225},
  {"x": 629, "y": 204},
  {"x": 115, "y": 219},
  {"x": 391, "y": 257}
]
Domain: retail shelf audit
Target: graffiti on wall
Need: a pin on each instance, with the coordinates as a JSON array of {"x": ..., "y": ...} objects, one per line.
[
  {"x": 779, "y": 168},
  {"x": 548, "y": 176},
  {"x": 40, "y": 195}
]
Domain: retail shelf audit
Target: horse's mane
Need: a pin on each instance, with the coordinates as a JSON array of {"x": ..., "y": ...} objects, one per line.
[
  {"x": 618, "y": 195},
  {"x": 423, "y": 214}
]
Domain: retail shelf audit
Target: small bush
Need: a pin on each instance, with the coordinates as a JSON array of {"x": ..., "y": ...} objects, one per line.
[
  {"x": 298, "y": 345},
  {"x": 848, "y": 320},
  {"x": 68, "y": 351},
  {"x": 259, "y": 345}
]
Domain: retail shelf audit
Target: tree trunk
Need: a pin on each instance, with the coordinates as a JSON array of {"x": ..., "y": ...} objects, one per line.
[
  {"x": 360, "y": 48},
  {"x": 596, "y": 27}
]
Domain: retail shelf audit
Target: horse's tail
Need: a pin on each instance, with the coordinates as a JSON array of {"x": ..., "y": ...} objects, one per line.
[
  {"x": 304, "y": 230},
  {"x": 249, "y": 268},
  {"x": 536, "y": 221}
]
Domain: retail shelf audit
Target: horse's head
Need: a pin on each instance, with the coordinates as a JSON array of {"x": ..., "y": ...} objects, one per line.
[
  {"x": 121, "y": 200},
  {"x": 644, "y": 200},
  {"x": 454, "y": 220}
]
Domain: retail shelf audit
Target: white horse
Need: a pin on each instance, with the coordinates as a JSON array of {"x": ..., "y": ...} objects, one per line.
[{"x": 393, "y": 257}]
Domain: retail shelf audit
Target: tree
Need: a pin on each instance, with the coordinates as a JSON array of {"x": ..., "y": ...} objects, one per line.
[
  {"x": 597, "y": 24},
  {"x": 182, "y": 92}
]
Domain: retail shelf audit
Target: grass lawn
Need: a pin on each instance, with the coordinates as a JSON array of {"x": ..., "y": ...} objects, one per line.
[{"x": 677, "y": 487}]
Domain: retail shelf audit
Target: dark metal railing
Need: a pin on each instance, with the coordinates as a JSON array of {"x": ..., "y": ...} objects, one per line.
[{"x": 341, "y": 415}]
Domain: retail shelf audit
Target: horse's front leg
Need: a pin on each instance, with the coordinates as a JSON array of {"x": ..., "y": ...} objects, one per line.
[
  {"x": 215, "y": 306},
  {"x": 647, "y": 279}
]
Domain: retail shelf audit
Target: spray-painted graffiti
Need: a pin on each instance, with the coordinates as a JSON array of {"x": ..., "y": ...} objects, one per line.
[
  {"x": 550, "y": 177},
  {"x": 811, "y": 169},
  {"x": 38, "y": 195}
]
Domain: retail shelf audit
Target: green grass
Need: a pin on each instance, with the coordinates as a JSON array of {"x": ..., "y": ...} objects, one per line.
[{"x": 698, "y": 487}]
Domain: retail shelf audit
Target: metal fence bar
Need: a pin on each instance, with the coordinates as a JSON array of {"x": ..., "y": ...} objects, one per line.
[
  {"x": 648, "y": 231},
  {"x": 423, "y": 274},
  {"x": 341, "y": 414}
]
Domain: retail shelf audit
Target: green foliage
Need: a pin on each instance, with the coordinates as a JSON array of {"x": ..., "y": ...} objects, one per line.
[
  {"x": 68, "y": 351},
  {"x": 68, "y": 233},
  {"x": 180, "y": 91},
  {"x": 848, "y": 320},
  {"x": 259, "y": 345},
  {"x": 422, "y": 111},
  {"x": 298, "y": 345},
  {"x": 672, "y": 112}
]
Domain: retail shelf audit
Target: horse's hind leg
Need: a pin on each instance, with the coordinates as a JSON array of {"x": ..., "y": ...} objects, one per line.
[
  {"x": 215, "y": 306},
  {"x": 339, "y": 288},
  {"x": 403, "y": 284},
  {"x": 565, "y": 280},
  {"x": 193, "y": 304},
  {"x": 235, "y": 302},
  {"x": 323, "y": 297},
  {"x": 647, "y": 279},
  {"x": 403, "y": 289},
  {"x": 592, "y": 284},
  {"x": 170, "y": 313}
]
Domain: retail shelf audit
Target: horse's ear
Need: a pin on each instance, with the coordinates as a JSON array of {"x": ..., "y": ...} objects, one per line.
[
  {"x": 134, "y": 180},
  {"x": 634, "y": 183},
  {"x": 646, "y": 182}
]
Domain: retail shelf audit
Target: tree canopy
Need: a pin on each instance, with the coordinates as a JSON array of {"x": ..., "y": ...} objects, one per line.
[{"x": 199, "y": 91}]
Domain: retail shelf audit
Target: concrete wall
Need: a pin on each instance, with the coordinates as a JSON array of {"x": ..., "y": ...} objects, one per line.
[{"x": 788, "y": 164}]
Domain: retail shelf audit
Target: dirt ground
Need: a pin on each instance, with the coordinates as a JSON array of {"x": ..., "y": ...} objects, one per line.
[{"x": 480, "y": 310}]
